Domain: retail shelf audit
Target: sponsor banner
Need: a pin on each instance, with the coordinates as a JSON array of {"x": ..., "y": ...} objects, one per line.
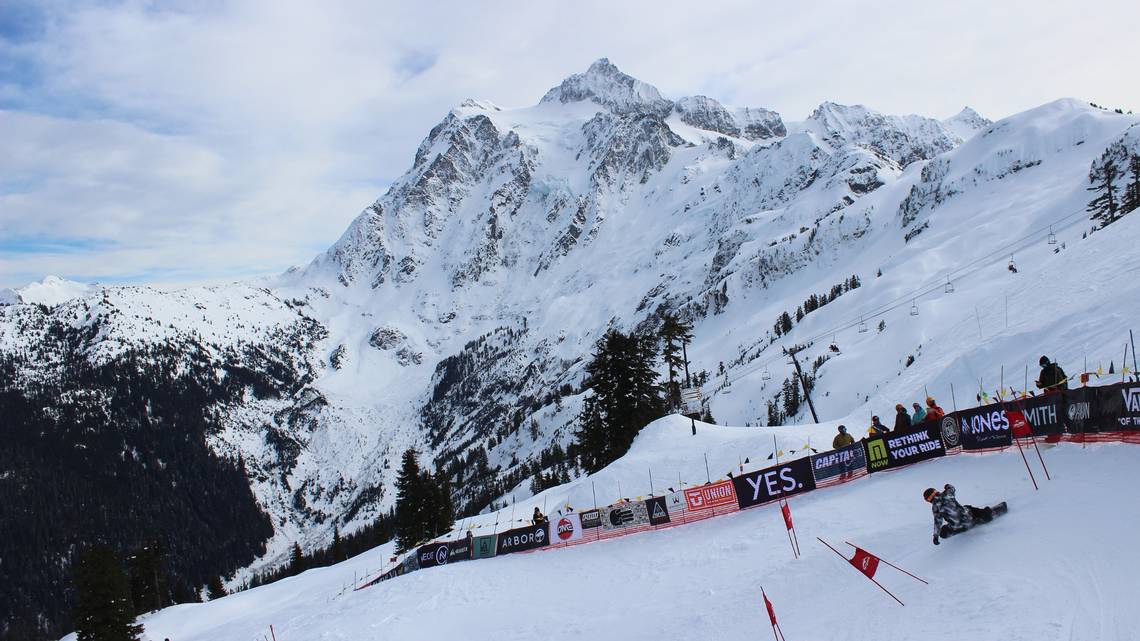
[
  {"x": 709, "y": 496},
  {"x": 1045, "y": 413},
  {"x": 658, "y": 510},
  {"x": 844, "y": 460},
  {"x": 774, "y": 482},
  {"x": 1080, "y": 410},
  {"x": 521, "y": 539},
  {"x": 624, "y": 515},
  {"x": 675, "y": 502},
  {"x": 565, "y": 529},
  {"x": 1119, "y": 407},
  {"x": 484, "y": 547},
  {"x": 460, "y": 550},
  {"x": 433, "y": 554},
  {"x": 590, "y": 518},
  {"x": 980, "y": 428},
  {"x": 903, "y": 448}
]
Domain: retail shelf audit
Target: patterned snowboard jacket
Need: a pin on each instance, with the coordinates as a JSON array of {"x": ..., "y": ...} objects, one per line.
[{"x": 948, "y": 511}]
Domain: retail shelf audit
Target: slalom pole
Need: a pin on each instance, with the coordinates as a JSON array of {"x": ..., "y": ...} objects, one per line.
[
  {"x": 595, "y": 494},
  {"x": 893, "y": 566},
  {"x": 651, "y": 482},
  {"x": 840, "y": 554},
  {"x": 795, "y": 553},
  {"x": 1135, "y": 370},
  {"x": 272, "y": 633},
  {"x": 1123, "y": 365},
  {"x": 953, "y": 397},
  {"x": 775, "y": 626},
  {"x": 1032, "y": 438},
  {"x": 708, "y": 477},
  {"x": 1018, "y": 444}
]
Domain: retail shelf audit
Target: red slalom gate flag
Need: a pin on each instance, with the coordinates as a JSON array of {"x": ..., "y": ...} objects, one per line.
[
  {"x": 1018, "y": 424},
  {"x": 787, "y": 511},
  {"x": 865, "y": 562},
  {"x": 768, "y": 604}
]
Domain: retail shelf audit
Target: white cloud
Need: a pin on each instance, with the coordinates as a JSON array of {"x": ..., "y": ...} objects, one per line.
[{"x": 207, "y": 140}]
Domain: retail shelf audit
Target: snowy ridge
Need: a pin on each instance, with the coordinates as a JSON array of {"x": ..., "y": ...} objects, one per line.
[{"x": 533, "y": 230}]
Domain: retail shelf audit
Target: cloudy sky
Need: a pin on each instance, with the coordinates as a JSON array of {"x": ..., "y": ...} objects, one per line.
[{"x": 190, "y": 142}]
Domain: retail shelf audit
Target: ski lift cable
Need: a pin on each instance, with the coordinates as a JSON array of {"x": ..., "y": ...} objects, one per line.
[{"x": 992, "y": 257}]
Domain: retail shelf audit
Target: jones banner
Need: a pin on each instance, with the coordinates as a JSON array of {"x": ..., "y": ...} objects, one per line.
[
  {"x": 980, "y": 428},
  {"x": 521, "y": 539},
  {"x": 774, "y": 482},
  {"x": 844, "y": 460},
  {"x": 903, "y": 448}
]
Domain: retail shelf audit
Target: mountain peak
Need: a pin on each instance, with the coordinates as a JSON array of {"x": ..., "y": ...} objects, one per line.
[
  {"x": 606, "y": 85},
  {"x": 966, "y": 123}
]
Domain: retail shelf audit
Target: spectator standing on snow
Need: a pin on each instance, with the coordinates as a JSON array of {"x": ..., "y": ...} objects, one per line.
[
  {"x": 842, "y": 439},
  {"x": 1052, "y": 378},
  {"x": 933, "y": 412},
  {"x": 919, "y": 414},
  {"x": 877, "y": 428},
  {"x": 902, "y": 419},
  {"x": 538, "y": 517}
]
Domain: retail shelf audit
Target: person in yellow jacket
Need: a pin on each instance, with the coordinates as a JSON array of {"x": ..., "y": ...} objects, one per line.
[{"x": 842, "y": 439}]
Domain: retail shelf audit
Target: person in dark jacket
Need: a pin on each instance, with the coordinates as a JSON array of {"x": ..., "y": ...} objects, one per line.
[
  {"x": 842, "y": 439},
  {"x": 902, "y": 419},
  {"x": 1052, "y": 378},
  {"x": 950, "y": 516},
  {"x": 538, "y": 517},
  {"x": 919, "y": 414},
  {"x": 877, "y": 428}
]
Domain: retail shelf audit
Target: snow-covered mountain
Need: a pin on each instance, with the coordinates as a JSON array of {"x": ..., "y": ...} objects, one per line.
[{"x": 457, "y": 312}]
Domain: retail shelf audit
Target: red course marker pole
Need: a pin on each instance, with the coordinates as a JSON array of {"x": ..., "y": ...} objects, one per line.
[{"x": 840, "y": 554}]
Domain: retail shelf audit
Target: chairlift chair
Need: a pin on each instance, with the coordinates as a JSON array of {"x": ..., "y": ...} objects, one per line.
[
  {"x": 949, "y": 286},
  {"x": 913, "y": 308},
  {"x": 1052, "y": 237},
  {"x": 766, "y": 376},
  {"x": 862, "y": 326}
]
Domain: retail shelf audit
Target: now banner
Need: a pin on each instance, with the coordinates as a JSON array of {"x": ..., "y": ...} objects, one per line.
[{"x": 903, "y": 448}]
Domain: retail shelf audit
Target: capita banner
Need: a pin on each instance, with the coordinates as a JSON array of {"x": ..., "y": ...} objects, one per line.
[
  {"x": 590, "y": 518},
  {"x": 433, "y": 554},
  {"x": 1119, "y": 407},
  {"x": 775, "y": 482},
  {"x": 844, "y": 460},
  {"x": 709, "y": 496},
  {"x": 658, "y": 510},
  {"x": 522, "y": 539},
  {"x": 460, "y": 550},
  {"x": 903, "y": 448},
  {"x": 624, "y": 515},
  {"x": 484, "y": 547},
  {"x": 565, "y": 529}
]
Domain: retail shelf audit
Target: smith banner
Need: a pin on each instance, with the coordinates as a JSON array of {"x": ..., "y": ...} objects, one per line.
[
  {"x": 433, "y": 554},
  {"x": 565, "y": 529},
  {"x": 521, "y": 539},
  {"x": 483, "y": 547},
  {"x": 904, "y": 448},
  {"x": 844, "y": 460},
  {"x": 1119, "y": 407},
  {"x": 624, "y": 515},
  {"x": 773, "y": 483}
]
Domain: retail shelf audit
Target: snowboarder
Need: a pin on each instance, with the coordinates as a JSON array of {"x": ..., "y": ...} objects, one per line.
[
  {"x": 902, "y": 419},
  {"x": 1052, "y": 378},
  {"x": 933, "y": 412},
  {"x": 951, "y": 517},
  {"x": 877, "y": 428},
  {"x": 842, "y": 439},
  {"x": 919, "y": 414}
]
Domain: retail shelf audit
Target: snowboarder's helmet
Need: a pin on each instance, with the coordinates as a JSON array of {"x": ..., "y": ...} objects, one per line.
[
  {"x": 928, "y": 494},
  {"x": 1044, "y": 361}
]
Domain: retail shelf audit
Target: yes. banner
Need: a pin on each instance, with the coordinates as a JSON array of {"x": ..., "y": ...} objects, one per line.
[
  {"x": 903, "y": 448},
  {"x": 774, "y": 482},
  {"x": 844, "y": 460}
]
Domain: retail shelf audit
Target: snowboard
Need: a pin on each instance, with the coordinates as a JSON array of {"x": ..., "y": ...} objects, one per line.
[{"x": 999, "y": 509}]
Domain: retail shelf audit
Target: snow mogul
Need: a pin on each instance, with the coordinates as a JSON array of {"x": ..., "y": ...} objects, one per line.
[{"x": 951, "y": 517}]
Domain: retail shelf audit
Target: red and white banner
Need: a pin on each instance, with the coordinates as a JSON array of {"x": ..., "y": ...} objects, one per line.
[
  {"x": 565, "y": 529},
  {"x": 710, "y": 496}
]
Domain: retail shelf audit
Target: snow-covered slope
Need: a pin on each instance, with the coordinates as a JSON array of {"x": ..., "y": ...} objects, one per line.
[
  {"x": 461, "y": 306},
  {"x": 53, "y": 290},
  {"x": 1019, "y": 577}
]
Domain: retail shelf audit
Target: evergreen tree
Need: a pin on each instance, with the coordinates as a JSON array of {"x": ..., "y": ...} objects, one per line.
[
  {"x": 148, "y": 580},
  {"x": 791, "y": 397},
  {"x": 1104, "y": 177},
  {"x": 215, "y": 589},
  {"x": 1132, "y": 191},
  {"x": 409, "y": 503},
  {"x": 338, "y": 553},
  {"x": 103, "y": 607},
  {"x": 625, "y": 398},
  {"x": 296, "y": 560},
  {"x": 674, "y": 334}
]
